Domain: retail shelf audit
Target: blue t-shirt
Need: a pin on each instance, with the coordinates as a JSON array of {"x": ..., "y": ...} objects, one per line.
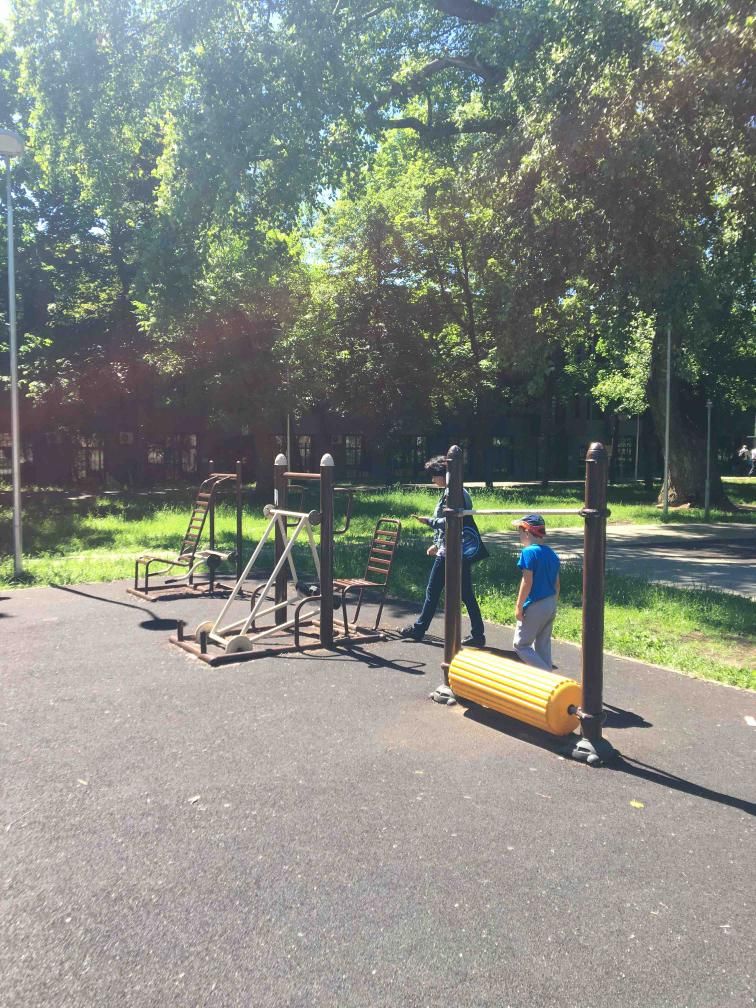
[{"x": 544, "y": 563}]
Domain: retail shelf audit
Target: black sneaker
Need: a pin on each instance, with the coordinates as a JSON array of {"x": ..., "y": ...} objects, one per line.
[
  {"x": 411, "y": 633},
  {"x": 471, "y": 641}
]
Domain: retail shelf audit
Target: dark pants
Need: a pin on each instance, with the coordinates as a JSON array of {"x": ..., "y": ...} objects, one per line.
[{"x": 433, "y": 591}]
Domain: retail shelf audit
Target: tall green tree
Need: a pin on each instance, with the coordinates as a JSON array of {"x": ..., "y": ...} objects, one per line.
[
  {"x": 613, "y": 144},
  {"x": 511, "y": 183}
]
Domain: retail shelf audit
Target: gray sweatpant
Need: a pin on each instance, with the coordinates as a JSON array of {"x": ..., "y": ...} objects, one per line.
[{"x": 535, "y": 629}]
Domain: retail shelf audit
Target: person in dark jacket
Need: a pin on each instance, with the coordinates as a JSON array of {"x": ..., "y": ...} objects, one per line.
[{"x": 436, "y": 468}]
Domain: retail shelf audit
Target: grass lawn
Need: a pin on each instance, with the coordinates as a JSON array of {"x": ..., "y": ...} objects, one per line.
[
  {"x": 628, "y": 502},
  {"x": 705, "y": 634}
]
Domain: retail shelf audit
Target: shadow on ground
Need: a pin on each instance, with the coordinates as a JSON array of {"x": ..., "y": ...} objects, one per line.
[
  {"x": 153, "y": 623},
  {"x": 654, "y": 775}
]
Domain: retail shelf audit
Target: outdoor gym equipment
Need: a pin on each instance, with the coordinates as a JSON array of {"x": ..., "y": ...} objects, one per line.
[
  {"x": 235, "y": 636},
  {"x": 541, "y": 699},
  {"x": 226, "y": 639},
  {"x": 511, "y": 687},
  {"x": 377, "y": 571},
  {"x": 190, "y": 558}
]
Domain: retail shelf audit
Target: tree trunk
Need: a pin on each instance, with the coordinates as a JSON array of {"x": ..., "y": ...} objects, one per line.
[
  {"x": 687, "y": 436},
  {"x": 613, "y": 452},
  {"x": 322, "y": 436},
  {"x": 480, "y": 447},
  {"x": 545, "y": 441},
  {"x": 648, "y": 450}
]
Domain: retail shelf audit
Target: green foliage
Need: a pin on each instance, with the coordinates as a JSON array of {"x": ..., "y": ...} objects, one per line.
[
  {"x": 624, "y": 389},
  {"x": 405, "y": 213}
]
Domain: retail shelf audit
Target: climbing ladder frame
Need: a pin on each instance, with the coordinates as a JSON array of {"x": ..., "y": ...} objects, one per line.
[{"x": 190, "y": 558}]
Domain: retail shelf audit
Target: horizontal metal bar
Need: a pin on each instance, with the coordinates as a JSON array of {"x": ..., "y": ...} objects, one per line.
[
  {"x": 270, "y": 510},
  {"x": 229, "y": 630},
  {"x": 518, "y": 511},
  {"x": 262, "y": 634},
  {"x": 302, "y": 476},
  {"x": 239, "y": 586},
  {"x": 274, "y": 608},
  {"x": 233, "y": 629}
]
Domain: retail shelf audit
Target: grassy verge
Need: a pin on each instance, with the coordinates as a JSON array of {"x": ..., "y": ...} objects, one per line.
[
  {"x": 706, "y": 634},
  {"x": 629, "y": 503},
  {"x": 702, "y": 633}
]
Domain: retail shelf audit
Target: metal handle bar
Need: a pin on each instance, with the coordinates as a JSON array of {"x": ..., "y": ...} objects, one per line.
[
  {"x": 348, "y": 515},
  {"x": 312, "y": 516},
  {"x": 349, "y": 491},
  {"x": 518, "y": 511}
]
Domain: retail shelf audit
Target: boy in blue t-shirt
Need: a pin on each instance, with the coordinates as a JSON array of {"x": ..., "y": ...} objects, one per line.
[{"x": 539, "y": 591}]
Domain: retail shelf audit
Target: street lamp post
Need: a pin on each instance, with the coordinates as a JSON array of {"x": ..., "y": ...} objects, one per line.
[
  {"x": 11, "y": 145},
  {"x": 707, "y": 490}
]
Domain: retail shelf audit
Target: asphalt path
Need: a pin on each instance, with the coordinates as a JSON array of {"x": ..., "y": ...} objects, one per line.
[
  {"x": 313, "y": 831},
  {"x": 720, "y": 557}
]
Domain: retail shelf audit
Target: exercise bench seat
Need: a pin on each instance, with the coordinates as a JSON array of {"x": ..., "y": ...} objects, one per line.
[
  {"x": 377, "y": 571},
  {"x": 189, "y": 557}
]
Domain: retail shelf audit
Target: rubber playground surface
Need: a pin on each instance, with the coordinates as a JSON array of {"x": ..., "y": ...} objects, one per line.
[{"x": 313, "y": 831}]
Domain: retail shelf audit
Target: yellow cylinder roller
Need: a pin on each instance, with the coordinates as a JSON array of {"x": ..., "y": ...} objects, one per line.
[{"x": 520, "y": 691}]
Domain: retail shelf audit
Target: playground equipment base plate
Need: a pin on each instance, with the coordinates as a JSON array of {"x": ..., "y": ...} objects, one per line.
[
  {"x": 168, "y": 593},
  {"x": 309, "y": 641}
]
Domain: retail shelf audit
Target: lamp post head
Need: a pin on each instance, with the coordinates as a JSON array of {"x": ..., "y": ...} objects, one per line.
[
  {"x": 709, "y": 404},
  {"x": 11, "y": 144}
]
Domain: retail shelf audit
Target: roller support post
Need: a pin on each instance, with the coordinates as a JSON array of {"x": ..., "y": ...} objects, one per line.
[
  {"x": 593, "y": 748},
  {"x": 453, "y": 566}
]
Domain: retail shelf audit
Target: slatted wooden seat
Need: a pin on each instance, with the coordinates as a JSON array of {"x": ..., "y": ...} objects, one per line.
[
  {"x": 377, "y": 572},
  {"x": 188, "y": 556}
]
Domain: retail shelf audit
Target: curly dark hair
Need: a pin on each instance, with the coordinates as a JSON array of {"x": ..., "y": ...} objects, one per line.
[{"x": 436, "y": 466}]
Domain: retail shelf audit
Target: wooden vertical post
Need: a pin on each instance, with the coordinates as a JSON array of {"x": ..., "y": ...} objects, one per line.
[
  {"x": 453, "y": 565},
  {"x": 210, "y": 527},
  {"x": 280, "y": 493},
  {"x": 211, "y": 516},
  {"x": 593, "y": 747},
  {"x": 239, "y": 507},
  {"x": 326, "y": 550}
]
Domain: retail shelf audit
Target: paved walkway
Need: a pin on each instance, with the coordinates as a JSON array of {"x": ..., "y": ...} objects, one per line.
[
  {"x": 720, "y": 556},
  {"x": 315, "y": 833}
]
